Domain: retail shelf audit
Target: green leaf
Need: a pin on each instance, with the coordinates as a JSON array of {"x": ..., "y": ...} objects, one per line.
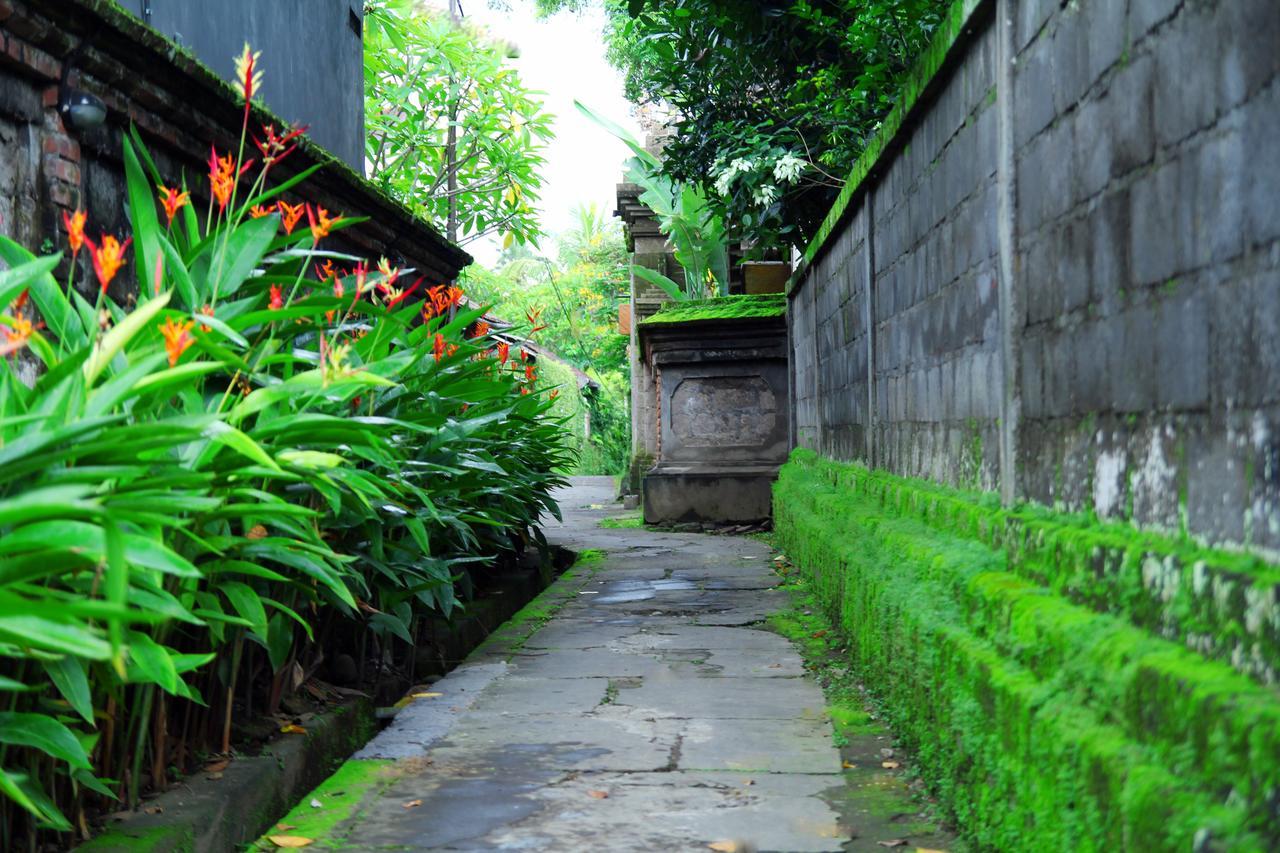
[
  {"x": 150, "y": 662},
  {"x": 142, "y": 216},
  {"x": 113, "y": 341},
  {"x": 45, "y": 734},
  {"x": 68, "y": 675},
  {"x": 243, "y": 249}
]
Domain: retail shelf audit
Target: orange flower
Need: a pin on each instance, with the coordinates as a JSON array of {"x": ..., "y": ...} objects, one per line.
[
  {"x": 524, "y": 389},
  {"x": 530, "y": 374},
  {"x": 75, "y": 230},
  {"x": 223, "y": 176},
  {"x": 289, "y": 215},
  {"x": 12, "y": 340},
  {"x": 258, "y": 211},
  {"x": 107, "y": 258},
  {"x": 555, "y": 392},
  {"x": 451, "y": 349},
  {"x": 206, "y": 310},
  {"x": 395, "y": 296},
  {"x": 389, "y": 275},
  {"x": 248, "y": 77},
  {"x": 173, "y": 201},
  {"x": 277, "y": 298},
  {"x": 504, "y": 352},
  {"x": 320, "y": 222},
  {"x": 438, "y": 347},
  {"x": 324, "y": 271},
  {"x": 524, "y": 354},
  {"x": 480, "y": 329},
  {"x": 177, "y": 337}
]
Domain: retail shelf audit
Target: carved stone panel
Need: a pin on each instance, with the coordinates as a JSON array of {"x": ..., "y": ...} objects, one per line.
[{"x": 723, "y": 411}]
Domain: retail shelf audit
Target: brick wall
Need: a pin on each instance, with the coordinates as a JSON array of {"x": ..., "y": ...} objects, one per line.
[
  {"x": 1073, "y": 280},
  {"x": 180, "y": 109}
]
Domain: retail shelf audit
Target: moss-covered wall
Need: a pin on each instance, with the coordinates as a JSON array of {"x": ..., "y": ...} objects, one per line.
[
  {"x": 748, "y": 307},
  {"x": 1068, "y": 685}
]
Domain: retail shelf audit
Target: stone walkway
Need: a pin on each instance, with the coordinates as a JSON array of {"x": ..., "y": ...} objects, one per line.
[{"x": 640, "y": 704}]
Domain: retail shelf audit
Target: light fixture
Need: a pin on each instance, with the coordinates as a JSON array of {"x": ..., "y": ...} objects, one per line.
[{"x": 80, "y": 110}]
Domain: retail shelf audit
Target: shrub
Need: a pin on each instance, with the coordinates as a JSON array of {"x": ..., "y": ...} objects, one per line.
[{"x": 195, "y": 490}]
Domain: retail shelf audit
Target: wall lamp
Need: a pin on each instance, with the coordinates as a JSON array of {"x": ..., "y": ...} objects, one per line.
[{"x": 80, "y": 110}]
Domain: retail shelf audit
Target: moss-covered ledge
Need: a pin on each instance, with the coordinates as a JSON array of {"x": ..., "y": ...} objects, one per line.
[
  {"x": 1052, "y": 704},
  {"x": 753, "y": 307}
]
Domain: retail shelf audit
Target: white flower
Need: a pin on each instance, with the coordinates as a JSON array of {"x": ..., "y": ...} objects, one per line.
[
  {"x": 765, "y": 195},
  {"x": 788, "y": 168},
  {"x": 724, "y": 181}
]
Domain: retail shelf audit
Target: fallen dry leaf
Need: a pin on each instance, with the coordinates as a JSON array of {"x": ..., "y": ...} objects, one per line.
[
  {"x": 293, "y": 729},
  {"x": 426, "y": 695},
  {"x": 724, "y": 846},
  {"x": 153, "y": 810},
  {"x": 214, "y": 776},
  {"x": 893, "y": 842},
  {"x": 290, "y": 840},
  {"x": 748, "y": 781},
  {"x": 256, "y": 532},
  {"x": 928, "y": 850},
  {"x": 849, "y": 765},
  {"x": 412, "y": 804},
  {"x": 285, "y": 827},
  {"x": 819, "y": 634},
  {"x": 890, "y": 765},
  {"x": 216, "y": 766},
  {"x": 599, "y": 795}
]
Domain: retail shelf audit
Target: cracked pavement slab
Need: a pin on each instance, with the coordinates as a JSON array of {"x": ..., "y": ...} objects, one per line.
[{"x": 653, "y": 710}]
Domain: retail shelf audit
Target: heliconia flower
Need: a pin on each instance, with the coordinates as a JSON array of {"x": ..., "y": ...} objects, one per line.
[
  {"x": 12, "y": 340},
  {"x": 534, "y": 315},
  {"x": 361, "y": 273},
  {"x": 530, "y": 373},
  {"x": 480, "y": 329},
  {"x": 504, "y": 352},
  {"x": 20, "y": 301},
  {"x": 324, "y": 271},
  {"x": 524, "y": 389},
  {"x": 206, "y": 310},
  {"x": 395, "y": 296},
  {"x": 338, "y": 289},
  {"x": 177, "y": 337},
  {"x": 173, "y": 201},
  {"x": 223, "y": 176},
  {"x": 258, "y": 211},
  {"x": 389, "y": 274},
  {"x": 107, "y": 258},
  {"x": 277, "y": 298},
  {"x": 555, "y": 392},
  {"x": 248, "y": 77},
  {"x": 320, "y": 222},
  {"x": 437, "y": 347},
  {"x": 274, "y": 147},
  {"x": 450, "y": 349},
  {"x": 289, "y": 216},
  {"x": 75, "y": 230},
  {"x": 524, "y": 354},
  {"x": 157, "y": 281}
]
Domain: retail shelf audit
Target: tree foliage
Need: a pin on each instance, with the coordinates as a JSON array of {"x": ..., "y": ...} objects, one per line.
[
  {"x": 772, "y": 100},
  {"x": 421, "y": 69}
]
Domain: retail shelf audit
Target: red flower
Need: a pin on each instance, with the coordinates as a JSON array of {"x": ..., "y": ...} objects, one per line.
[
  {"x": 173, "y": 201},
  {"x": 75, "y": 230},
  {"x": 277, "y": 298},
  {"x": 12, "y": 341},
  {"x": 438, "y": 347},
  {"x": 248, "y": 77},
  {"x": 480, "y": 329},
  {"x": 535, "y": 315},
  {"x": 530, "y": 374},
  {"x": 504, "y": 352},
  {"x": 258, "y": 211},
  {"x": 223, "y": 176},
  {"x": 107, "y": 258},
  {"x": 320, "y": 222},
  {"x": 206, "y": 310},
  {"x": 275, "y": 148}
]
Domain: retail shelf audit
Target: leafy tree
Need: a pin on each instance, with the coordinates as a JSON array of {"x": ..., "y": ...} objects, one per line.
[
  {"x": 772, "y": 100},
  {"x": 422, "y": 71}
]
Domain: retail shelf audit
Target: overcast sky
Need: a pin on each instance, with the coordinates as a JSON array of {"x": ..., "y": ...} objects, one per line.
[{"x": 563, "y": 57}]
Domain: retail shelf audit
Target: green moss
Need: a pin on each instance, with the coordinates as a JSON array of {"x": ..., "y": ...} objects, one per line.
[
  {"x": 155, "y": 839},
  {"x": 1026, "y": 655},
  {"x": 629, "y": 521},
  {"x": 341, "y": 797},
  {"x": 721, "y": 308}
]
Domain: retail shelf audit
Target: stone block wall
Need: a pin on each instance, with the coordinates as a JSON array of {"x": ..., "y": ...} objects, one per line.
[{"x": 1058, "y": 275}]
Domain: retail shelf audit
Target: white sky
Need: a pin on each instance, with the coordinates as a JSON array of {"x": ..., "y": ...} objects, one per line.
[{"x": 563, "y": 57}]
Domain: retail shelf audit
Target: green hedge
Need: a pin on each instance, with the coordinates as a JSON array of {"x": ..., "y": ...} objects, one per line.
[{"x": 1048, "y": 705}]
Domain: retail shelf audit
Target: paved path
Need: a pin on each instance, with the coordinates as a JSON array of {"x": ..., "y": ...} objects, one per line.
[{"x": 642, "y": 706}]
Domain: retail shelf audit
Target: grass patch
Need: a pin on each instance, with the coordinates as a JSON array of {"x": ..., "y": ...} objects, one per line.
[
  {"x": 340, "y": 796},
  {"x": 628, "y": 521}
]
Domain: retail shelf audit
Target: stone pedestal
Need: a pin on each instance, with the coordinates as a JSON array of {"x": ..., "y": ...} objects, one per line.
[{"x": 722, "y": 419}]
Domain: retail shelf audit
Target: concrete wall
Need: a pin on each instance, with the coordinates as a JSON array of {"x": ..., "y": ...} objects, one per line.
[
  {"x": 312, "y": 57},
  {"x": 1060, "y": 276}
]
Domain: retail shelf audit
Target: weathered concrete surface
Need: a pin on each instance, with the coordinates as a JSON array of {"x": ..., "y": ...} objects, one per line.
[{"x": 645, "y": 676}]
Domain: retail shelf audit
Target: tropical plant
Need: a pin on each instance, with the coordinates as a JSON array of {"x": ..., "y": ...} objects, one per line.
[
  {"x": 425, "y": 75},
  {"x": 696, "y": 232},
  {"x": 197, "y": 491},
  {"x": 772, "y": 102}
]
